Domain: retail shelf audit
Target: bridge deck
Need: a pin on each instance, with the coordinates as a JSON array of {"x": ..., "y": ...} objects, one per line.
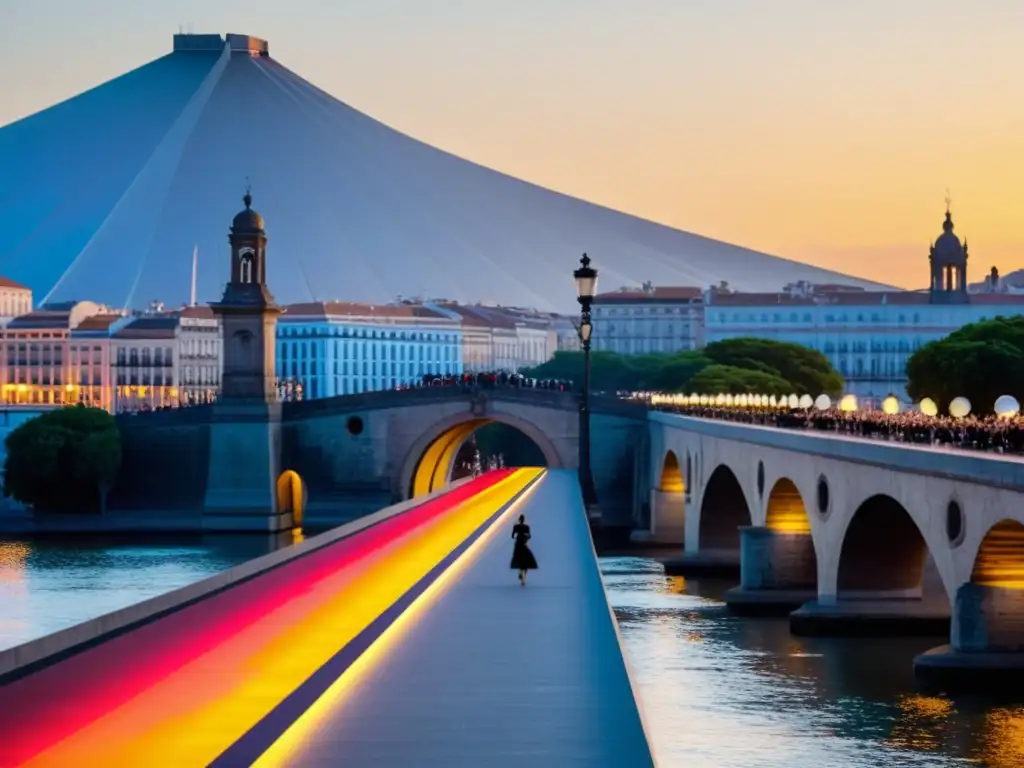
[
  {"x": 493, "y": 673},
  {"x": 987, "y": 467},
  {"x": 477, "y": 671}
]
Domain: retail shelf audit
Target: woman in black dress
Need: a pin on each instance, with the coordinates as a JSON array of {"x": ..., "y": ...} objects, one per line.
[{"x": 522, "y": 558}]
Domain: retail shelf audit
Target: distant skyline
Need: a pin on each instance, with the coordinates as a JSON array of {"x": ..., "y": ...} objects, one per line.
[{"x": 819, "y": 132}]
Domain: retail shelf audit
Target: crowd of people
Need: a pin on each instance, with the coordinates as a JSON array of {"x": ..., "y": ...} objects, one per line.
[
  {"x": 490, "y": 380},
  {"x": 476, "y": 465},
  {"x": 986, "y": 433}
]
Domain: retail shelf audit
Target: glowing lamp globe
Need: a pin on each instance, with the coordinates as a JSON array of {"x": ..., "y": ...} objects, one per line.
[
  {"x": 806, "y": 401},
  {"x": 959, "y": 407},
  {"x": 928, "y": 407},
  {"x": 794, "y": 401},
  {"x": 848, "y": 404},
  {"x": 891, "y": 405},
  {"x": 1007, "y": 407},
  {"x": 823, "y": 403}
]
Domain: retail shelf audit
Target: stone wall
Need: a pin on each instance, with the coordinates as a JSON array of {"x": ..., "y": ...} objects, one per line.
[{"x": 165, "y": 460}]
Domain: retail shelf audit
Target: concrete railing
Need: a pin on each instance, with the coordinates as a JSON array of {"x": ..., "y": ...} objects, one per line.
[
  {"x": 24, "y": 658},
  {"x": 991, "y": 469}
]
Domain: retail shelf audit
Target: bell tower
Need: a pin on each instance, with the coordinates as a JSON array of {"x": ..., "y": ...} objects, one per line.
[
  {"x": 947, "y": 260},
  {"x": 248, "y": 313},
  {"x": 245, "y": 422}
]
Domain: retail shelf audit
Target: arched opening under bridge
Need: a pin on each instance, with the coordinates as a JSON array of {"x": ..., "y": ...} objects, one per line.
[
  {"x": 1000, "y": 558},
  {"x": 999, "y": 571},
  {"x": 458, "y": 450},
  {"x": 668, "y": 504},
  {"x": 291, "y": 496},
  {"x": 883, "y": 553},
  {"x": 723, "y": 511},
  {"x": 796, "y": 562},
  {"x": 671, "y": 475}
]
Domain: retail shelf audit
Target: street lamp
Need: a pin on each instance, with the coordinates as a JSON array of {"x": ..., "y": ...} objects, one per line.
[{"x": 586, "y": 287}]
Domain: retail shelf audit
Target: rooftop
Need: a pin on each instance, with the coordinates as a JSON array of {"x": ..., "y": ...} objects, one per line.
[
  {"x": 852, "y": 299},
  {"x": 654, "y": 294},
  {"x": 7, "y": 283},
  {"x": 329, "y": 309}
]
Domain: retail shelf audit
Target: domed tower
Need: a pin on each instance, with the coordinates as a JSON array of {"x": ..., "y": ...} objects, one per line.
[
  {"x": 948, "y": 259},
  {"x": 248, "y": 313}
]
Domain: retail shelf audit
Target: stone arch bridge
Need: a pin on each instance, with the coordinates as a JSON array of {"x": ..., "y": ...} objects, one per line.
[
  {"x": 848, "y": 530},
  {"x": 357, "y": 453}
]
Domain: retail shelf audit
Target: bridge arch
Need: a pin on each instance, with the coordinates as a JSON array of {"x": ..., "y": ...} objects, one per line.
[
  {"x": 999, "y": 561},
  {"x": 671, "y": 479},
  {"x": 429, "y": 462},
  {"x": 291, "y": 495},
  {"x": 883, "y": 551},
  {"x": 785, "y": 511},
  {"x": 723, "y": 511}
]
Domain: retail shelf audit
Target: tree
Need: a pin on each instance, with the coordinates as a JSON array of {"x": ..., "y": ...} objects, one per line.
[
  {"x": 980, "y": 361},
  {"x": 65, "y": 460},
  {"x": 99, "y": 461},
  {"x": 802, "y": 370},
  {"x": 730, "y": 380},
  {"x": 807, "y": 370}
]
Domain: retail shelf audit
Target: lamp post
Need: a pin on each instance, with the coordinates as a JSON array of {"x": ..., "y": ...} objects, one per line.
[{"x": 586, "y": 287}]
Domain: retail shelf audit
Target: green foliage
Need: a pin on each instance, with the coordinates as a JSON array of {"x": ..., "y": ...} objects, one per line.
[
  {"x": 980, "y": 361},
  {"x": 724, "y": 366},
  {"x": 807, "y": 370},
  {"x": 65, "y": 460},
  {"x": 732, "y": 380},
  {"x": 610, "y": 371}
]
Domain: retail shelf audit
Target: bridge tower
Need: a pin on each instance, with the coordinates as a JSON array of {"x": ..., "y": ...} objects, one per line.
[{"x": 245, "y": 426}]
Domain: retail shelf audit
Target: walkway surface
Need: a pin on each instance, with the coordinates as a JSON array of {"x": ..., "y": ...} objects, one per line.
[
  {"x": 408, "y": 643},
  {"x": 493, "y": 673}
]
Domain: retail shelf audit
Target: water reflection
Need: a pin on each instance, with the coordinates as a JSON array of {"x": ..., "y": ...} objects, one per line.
[
  {"x": 51, "y": 583},
  {"x": 725, "y": 691}
]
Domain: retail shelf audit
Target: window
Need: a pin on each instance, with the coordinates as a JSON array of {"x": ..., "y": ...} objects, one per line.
[{"x": 245, "y": 268}]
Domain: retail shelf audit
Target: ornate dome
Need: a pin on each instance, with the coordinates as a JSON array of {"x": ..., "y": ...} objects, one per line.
[
  {"x": 947, "y": 249},
  {"x": 248, "y": 220}
]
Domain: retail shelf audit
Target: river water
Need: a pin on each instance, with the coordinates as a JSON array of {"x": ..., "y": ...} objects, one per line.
[
  {"x": 725, "y": 692},
  {"x": 717, "y": 691},
  {"x": 49, "y": 584}
]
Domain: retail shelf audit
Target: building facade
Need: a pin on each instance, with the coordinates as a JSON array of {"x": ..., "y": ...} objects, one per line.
[
  {"x": 166, "y": 359},
  {"x": 868, "y": 336},
  {"x": 501, "y": 338},
  {"x": 649, "y": 320},
  {"x": 58, "y": 354},
  {"x": 341, "y": 348},
  {"x": 15, "y": 300}
]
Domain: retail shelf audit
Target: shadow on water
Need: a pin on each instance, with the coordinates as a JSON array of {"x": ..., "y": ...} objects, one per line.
[{"x": 719, "y": 690}]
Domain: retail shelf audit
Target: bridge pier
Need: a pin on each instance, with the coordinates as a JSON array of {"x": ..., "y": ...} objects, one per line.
[
  {"x": 667, "y": 525},
  {"x": 911, "y": 604},
  {"x": 986, "y": 649},
  {"x": 778, "y": 572},
  {"x": 241, "y": 485}
]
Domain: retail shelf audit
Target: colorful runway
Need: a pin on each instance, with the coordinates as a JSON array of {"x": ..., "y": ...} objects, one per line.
[
  {"x": 484, "y": 672},
  {"x": 182, "y": 689},
  {"x": 453, "y": 661}
]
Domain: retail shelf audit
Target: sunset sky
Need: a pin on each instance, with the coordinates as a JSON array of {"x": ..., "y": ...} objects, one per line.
[{"x": 822, "y": 131}]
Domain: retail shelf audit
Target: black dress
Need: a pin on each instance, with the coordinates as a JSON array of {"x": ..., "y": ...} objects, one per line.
[{"x": 522, "y": 557}]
